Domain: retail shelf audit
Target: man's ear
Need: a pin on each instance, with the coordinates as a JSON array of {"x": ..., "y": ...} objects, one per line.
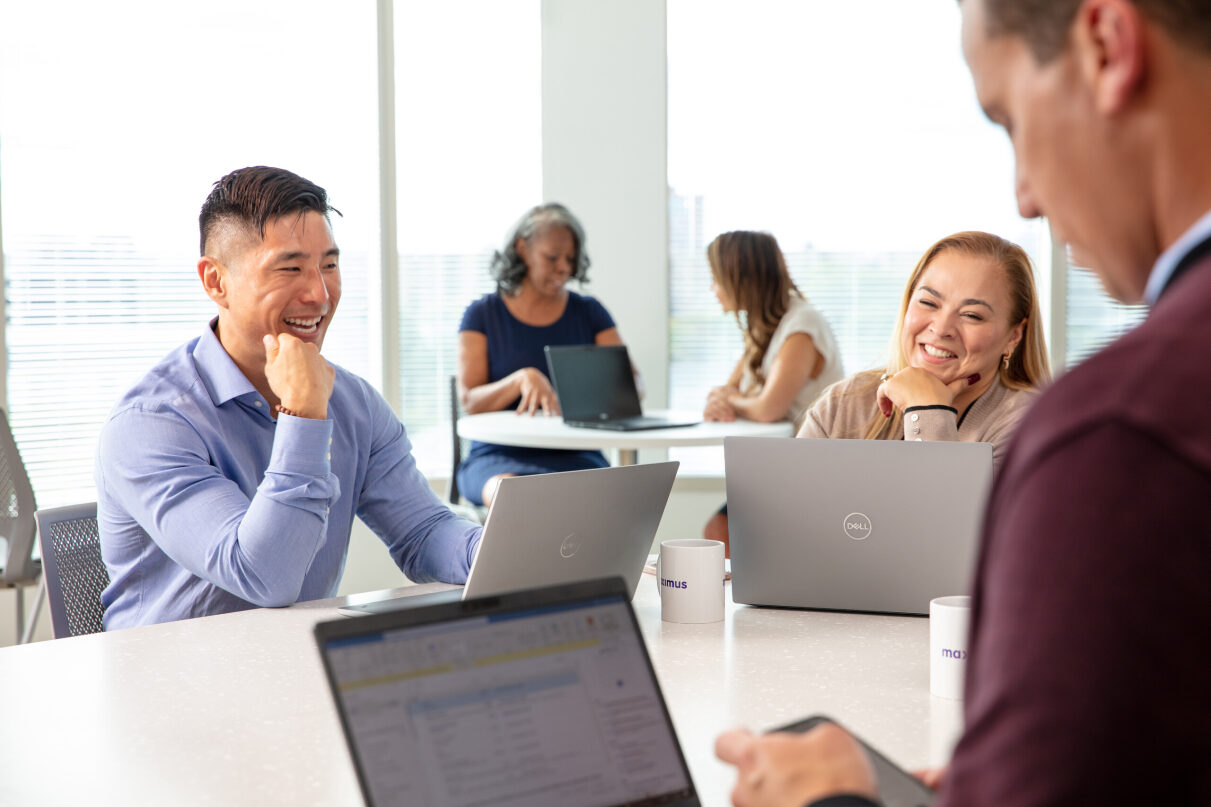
[
  {"x": 1110, "y": 42},
  {"x": 214, "y": 279}
]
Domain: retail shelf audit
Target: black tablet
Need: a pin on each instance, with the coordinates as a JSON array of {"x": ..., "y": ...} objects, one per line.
[{"x": 897, "y": 787}]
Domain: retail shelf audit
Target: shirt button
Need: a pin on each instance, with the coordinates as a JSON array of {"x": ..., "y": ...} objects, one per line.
[
  {"x": 257, "y": 404},
  {"x": 329, "y": 441},
  {"x": 327, "y": 456},
  {"x": 918, "y": 439},
  {"x": 916, "y": 429},
  {"x": 915, "y": 417}
]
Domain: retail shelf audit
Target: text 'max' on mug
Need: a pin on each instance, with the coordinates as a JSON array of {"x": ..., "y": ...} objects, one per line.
[
  {"x": 949, "y": 618},
  {"x": 690, "y": 575}
]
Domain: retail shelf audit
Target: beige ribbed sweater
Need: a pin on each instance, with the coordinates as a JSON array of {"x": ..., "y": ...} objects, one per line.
[{"x": 844, "y": 410}]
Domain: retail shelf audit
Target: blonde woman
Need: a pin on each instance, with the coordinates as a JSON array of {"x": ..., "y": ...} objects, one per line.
[
  {"x": 790, "y": 355},
  {"x": 967, "y": 354}
]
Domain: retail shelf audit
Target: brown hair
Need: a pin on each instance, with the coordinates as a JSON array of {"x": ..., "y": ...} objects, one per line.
[
  {"x": 1028, "y": 365},
  {"x": 751, "y": 270},
  {"x": 249, "y": 198},
  {"x": 1044, "y": 24}
]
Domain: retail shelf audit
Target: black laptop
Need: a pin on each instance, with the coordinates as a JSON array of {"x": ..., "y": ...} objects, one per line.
[
  {"x": 596, "y": 389},
  {"x": 535, "y": 698}
]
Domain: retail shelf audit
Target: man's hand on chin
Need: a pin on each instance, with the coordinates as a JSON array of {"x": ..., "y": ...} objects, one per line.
[{"x": 298, "y": 375}]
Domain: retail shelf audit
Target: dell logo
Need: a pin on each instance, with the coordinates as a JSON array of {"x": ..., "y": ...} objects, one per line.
[
  {"x": 570, "y": 546},
  {"x": 857, "y": 526}
]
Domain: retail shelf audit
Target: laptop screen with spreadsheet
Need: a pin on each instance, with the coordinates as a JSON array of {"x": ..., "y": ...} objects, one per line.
[{"x": 523, "y": 699}]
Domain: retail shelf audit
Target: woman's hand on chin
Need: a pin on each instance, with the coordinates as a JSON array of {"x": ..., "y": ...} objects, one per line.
[{"x": 913, "y": 386}]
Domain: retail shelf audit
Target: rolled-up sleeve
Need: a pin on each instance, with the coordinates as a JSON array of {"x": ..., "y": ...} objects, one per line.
[{"x": 256, "y": 547}]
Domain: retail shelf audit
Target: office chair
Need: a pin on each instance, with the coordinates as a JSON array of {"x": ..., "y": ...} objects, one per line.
[
  {"x": 18, "y": 568},
  {"x": 457, "y": 443},
  {"x": 71, "y": 563},
  {"x": 468, "y": 511}
]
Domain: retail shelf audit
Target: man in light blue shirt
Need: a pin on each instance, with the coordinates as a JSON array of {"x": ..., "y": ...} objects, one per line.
[{"x": 229, "y": 476}]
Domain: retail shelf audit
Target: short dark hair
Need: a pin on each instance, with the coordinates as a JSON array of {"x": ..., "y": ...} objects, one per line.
[
  {"x": 507, "y": 267},
  {"x": 1044, "y": 24},
  {"x": 252, "y": 197}
]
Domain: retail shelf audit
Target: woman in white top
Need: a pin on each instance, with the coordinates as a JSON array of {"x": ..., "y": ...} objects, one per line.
[{"x": 790, "y": 354}]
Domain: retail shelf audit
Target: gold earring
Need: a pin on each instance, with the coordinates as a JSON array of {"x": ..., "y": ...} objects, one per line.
[{"x": 1005, "y": 361}]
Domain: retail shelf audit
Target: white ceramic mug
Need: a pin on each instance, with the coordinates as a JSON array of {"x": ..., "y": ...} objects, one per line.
[
  {"x": 690, "y": 575},
  {"x": 949, "y": 618}
]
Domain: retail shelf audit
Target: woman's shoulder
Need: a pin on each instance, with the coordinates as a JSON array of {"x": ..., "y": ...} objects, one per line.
[
  {"x": 857, "y": 386},
  {"x": 479, "y": 312},
  {"x": 844, "y": 409},
  {"x": 485, "y": 301},
  {"x": 1015, "y": 398},
  {"x": 585, "y": 306},
  {"x": 803, "y": 317},
  {"x": 578, "y": 300}
]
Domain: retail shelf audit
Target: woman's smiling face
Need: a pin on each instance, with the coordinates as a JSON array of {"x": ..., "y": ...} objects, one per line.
[{"x": 957, "y": 321}]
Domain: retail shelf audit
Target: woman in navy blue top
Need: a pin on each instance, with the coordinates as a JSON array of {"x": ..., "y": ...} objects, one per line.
[{"x": 501, "y": 341}]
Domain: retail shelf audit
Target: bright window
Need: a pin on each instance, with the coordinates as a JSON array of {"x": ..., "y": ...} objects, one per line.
[
  {"x": 115, "y": 119},
  {"x": 1092, "y": 318},
  {"x": 469, "y": 149},
  {"x": 785, "y": 116}
]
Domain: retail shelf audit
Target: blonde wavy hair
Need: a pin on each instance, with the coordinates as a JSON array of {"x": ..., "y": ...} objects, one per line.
[
  {"x": 1028, "y": 366},
  {"x": 751, "y": 270}
]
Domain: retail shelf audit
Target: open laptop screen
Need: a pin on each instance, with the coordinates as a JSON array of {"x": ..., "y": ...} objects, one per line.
[
  {"x": 593, "y": 382},
  {"x": 546, "y": 705}
]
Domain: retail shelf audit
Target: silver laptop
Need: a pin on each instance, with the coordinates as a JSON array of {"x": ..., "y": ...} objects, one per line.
[
  {"x": 560, "y": 528},
  {"x": 539, "y": 698},
  {"x": 854, "y": 525},
  {"x": 596, "y": 389}
]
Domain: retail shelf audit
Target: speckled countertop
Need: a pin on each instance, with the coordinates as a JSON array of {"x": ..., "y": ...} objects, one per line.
[{"x": 234, "y": 709}]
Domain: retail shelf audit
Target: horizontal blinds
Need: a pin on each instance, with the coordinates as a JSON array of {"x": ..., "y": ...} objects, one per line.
[
  {"x": 858, "y": 292},
  {"x": 468, "y": 76},
  {"x": 105, "y": 163},
  {"x": 86, "y": 318},
  {"x": 1093, "y": 319},
  {"x": 434, "y": 292},
  {"x": 854, "y": 177}
]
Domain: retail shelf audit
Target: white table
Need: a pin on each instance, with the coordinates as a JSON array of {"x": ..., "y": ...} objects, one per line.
[
  {"x": 234, "y": 709},
  {"x": 540, "y": 431}
]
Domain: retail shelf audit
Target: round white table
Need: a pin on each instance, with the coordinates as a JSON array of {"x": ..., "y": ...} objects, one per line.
[{"x": 540, "y": 431}]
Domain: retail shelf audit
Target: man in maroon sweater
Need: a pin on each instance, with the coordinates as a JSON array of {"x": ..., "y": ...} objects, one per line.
[{"x": 1089, "y": 677}]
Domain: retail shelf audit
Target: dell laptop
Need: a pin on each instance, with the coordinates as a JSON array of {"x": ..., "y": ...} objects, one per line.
[
  {"x": 537, "y": 698},
  {"x": 596, "y": 389},
  {"x": 560, "y": 528},
  {"x": 854, "y": 525}
]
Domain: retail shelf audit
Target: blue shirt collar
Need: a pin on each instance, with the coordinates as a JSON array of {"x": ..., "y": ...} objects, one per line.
[
  {"x": 1167, "y": 263},
  {"x": 223, "y": 379}
]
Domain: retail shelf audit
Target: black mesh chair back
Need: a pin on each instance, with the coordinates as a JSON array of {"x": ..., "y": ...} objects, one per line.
[
  {"x": 75, "y": 573},
  {"x": 457, "y": 447},
  {"x": 17, "y": 565}
]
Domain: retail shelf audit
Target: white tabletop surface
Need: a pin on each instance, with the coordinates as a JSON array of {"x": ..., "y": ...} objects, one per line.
[
  {"x": 234, "y": 709},
  {"x": 540, "y": 431}
]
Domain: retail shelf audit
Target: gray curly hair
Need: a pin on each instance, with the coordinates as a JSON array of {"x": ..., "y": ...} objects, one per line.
[{"x": 507, "y": 267}]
